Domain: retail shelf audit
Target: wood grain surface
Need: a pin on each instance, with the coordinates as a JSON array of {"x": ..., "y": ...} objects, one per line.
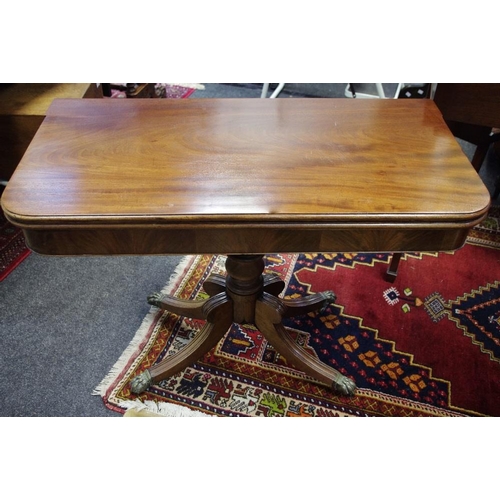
[{"x": 244, "y": 176}]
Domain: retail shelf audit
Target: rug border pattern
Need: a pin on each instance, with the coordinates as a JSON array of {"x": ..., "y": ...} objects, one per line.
[{"x": 374, "y": 403}]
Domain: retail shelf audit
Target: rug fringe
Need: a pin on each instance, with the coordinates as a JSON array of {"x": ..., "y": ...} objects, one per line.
[
  {"x": 139, "y": 336},
  {"x": 136, "y": 408}
]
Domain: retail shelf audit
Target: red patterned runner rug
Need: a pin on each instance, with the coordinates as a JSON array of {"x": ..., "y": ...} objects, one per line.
[
  {"x": 13, "y": 248},
  {"x": 426, "y": 345}
]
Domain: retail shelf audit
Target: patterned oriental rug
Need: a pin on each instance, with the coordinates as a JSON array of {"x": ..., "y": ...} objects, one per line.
[
  {"x": 13, "y": 248},
  {"x": 426, "y": 345},
  {"x": 166, "y": 90}
]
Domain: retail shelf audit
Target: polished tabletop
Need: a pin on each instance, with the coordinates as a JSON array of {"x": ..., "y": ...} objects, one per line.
[{"x": 108, "y": 176}]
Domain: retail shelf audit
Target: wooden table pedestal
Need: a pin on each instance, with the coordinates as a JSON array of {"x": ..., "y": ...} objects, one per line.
[{"x": 245, "y": 296}]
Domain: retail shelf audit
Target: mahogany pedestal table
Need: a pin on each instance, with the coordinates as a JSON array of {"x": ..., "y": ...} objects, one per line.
[{"x": 244, "y": 178}]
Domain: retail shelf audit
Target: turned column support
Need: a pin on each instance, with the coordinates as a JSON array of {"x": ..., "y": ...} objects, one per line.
[{"x": 244, "y": 285}]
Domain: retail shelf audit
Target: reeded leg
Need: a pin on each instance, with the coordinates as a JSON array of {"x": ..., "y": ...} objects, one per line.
[
  {"x": 268, "y": 315},
  {"x": 189, "y": 308},
  {"x": 218, "y": 311},
  {"x": 311, "y": 303}
]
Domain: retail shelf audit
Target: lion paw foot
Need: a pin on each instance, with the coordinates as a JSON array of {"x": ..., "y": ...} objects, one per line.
[
  {"x": 344, "y": 386},
  {"x": 141, "y": 382},
  {"x": 329, "y": 298},
  {"x": 155, "y": 299}
]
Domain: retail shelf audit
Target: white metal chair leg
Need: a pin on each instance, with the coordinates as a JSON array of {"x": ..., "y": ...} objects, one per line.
[
  {"x": 380, "y": 90},
  {"x": 279, "y": 88},
  {"x": 265, "y": 90},
  {"x": 398, "y": 90}
]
